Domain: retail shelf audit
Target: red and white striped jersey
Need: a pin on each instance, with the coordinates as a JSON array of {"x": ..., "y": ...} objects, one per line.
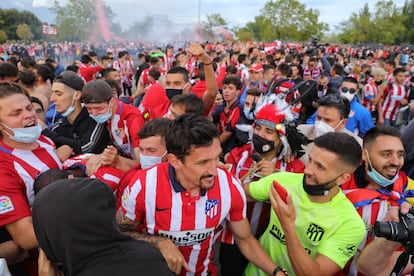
[
  {"x": 393, "y": 95},
  {"x": 108, "y": 174},
  {"x": 124, "y": 127},
  {"x": 389, "y": 77},
  {"x": 311, "y": 74},
  {"x": 369, "y": 92},
  {"x": 19, "y": 169},
  {"x": 158, "y": 201}
]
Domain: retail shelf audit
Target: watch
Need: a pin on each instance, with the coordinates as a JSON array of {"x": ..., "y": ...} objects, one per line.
[{"x": 278, "y": 269}]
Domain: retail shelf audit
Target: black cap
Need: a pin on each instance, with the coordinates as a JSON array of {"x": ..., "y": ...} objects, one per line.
[
  {"x": 70, "y": 79},
  {"x": 96, "y": 91}
]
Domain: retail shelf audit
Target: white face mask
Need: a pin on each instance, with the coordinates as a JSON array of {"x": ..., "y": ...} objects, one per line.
[
  {"x": 348, "y": 96},
  {"x": 148, "y": 161},
  {"x": 321, "y": 128}
]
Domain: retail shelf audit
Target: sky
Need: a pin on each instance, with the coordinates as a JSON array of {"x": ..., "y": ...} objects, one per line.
[{"x": 185, "y": 12}]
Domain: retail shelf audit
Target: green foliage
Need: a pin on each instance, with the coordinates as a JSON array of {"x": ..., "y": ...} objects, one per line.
[
  {"x": 408, "y": 13},
  {"x": 11, "y": 18},
  {"x": 384, "y": 25},
  {"x": 286, "y": 20},
  {"x": 23, "y": 32},
  {"x": 3, "y": 36},
  {"x": 77, "y": 19},
  {"x": 215, "y": 20}
]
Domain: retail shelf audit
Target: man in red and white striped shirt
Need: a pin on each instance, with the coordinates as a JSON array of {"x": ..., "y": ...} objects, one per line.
[
  {"x": 182, "y": 204},
  {"x": 372, "y": 93},
  {"x": 394, "y": 96},
  {"x": 24, "y": 154}
]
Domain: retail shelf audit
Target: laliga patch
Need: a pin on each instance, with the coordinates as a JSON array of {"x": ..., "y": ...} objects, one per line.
[
  {"x": 212, "y": 208},
  {"x": 6, "y": 205}
]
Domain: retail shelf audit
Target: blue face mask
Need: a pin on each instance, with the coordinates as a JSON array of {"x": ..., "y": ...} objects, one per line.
[
  {"x": 25, "y": 134},
  {"x": 70, "y": 109},
  {"x": 102, "y": 118},
  {"x": 249, "y": 115},
  {"x": 148, "y": 161},
  {"x": 379, "y": 178}
]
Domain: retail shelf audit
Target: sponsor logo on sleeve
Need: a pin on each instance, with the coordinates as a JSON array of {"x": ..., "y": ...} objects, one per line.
[{"x": 6, "y": 205}]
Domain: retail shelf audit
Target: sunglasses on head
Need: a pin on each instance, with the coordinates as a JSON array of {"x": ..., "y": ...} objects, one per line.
[{"x": 346, "y": 89}]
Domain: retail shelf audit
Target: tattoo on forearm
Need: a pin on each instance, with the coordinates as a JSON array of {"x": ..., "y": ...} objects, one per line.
[{"x": 154, "y": 240}]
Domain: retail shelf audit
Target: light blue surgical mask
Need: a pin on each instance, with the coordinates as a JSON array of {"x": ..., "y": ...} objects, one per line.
[
  {"x": 102, "y": 118},
  {"x": 248, "y": 114},
  {"x": 148, "y": 161},
  {"x": 379, "y": 178},
  {"x": 70, "y": 109},
  {"x": 25, "y": 134}
]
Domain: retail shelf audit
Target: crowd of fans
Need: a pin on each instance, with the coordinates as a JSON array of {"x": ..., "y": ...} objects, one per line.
[{"x": 282, "y": 155}]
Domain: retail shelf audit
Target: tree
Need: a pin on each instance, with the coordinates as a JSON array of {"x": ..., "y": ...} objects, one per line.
[
  {"x": 286, "y": 20},
  {"x": 11, "y": 18},
  {"x": 3, "y": 36},
  {"x": 384, "y": 25},
  {"x": 215, "y": 20},
  {"x": 408, "y": 13},
  {"x": 77, "y": 20},
  {"x": 23, "y": 32}
]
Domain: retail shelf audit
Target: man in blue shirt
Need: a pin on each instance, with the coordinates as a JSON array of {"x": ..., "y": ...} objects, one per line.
[{"x": 359, "y": 118}]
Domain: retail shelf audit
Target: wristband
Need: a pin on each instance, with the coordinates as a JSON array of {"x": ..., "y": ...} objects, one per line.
[
  {"x": 278, "y": 269},
  {"x": 207, "y": 64}
]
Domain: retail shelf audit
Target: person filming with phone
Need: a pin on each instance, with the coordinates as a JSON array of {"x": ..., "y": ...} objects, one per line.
[{"x": 313, "y": 228}]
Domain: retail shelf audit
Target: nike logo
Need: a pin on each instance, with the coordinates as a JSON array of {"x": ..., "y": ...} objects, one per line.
[{"x": 161, "y": 209}]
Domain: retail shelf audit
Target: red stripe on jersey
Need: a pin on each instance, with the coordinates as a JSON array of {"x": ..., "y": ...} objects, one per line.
[
  {"x": 369, "y": 92},
  {"x": 392, "y": 99},
  {"x": 184, "y": 219}
]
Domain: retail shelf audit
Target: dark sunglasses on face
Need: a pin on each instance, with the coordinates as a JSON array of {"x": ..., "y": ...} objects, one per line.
[{"x": 346, "y": 89}]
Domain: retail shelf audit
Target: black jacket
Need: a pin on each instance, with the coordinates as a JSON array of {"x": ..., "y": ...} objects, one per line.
[{"x": 83, "y": 136}]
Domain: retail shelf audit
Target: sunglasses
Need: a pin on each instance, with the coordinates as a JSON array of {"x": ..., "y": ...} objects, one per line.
[{"x": 346, "y": 89}]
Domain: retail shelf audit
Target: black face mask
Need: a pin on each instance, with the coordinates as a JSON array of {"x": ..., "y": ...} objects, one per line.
[
  {"x": 368, "y": 73},
  {"x": 378, "y": 82},
  {"x": 321, "y": 87},
  {"x": 261, "y": 145},
  {"x": 172, "y": 92},
  {"x": 319, "y": 189}
]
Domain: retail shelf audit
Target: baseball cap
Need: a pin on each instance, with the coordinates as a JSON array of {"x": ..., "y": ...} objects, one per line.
[
  {"x": 96, "y": 91},
  {"x": 71, "y": 79},
  {"x": 258, "y": 67}
]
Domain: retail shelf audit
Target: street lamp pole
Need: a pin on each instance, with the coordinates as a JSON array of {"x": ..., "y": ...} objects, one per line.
[{"x": 199, "y": 9}]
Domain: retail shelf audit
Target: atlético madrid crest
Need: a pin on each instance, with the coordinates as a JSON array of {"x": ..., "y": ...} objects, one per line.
[{"x": 212, "y": 208}]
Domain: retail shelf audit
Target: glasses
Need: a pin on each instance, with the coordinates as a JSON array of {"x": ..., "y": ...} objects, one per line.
[{"x": 350, "y": 90}]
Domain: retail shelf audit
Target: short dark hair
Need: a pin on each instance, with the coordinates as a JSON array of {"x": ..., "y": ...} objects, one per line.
[
  {"x": 155, "y": 127},
  {"x": 233, "y": 80},
  {"x": 8, "y": 89},
  {"x": 115, "y": 84},
  {"x": 73, "y": 68},
  {"x": 7, "y": 69},
  {"x": 191, "y": 103},
  {"x": 232, "y": 69},
  {"x": 28, "y": 62},
  {"x": 391, "y": 62},
  {"x": 377, "y": 131},
  {"x": 241, "y": 58},
  {"x": 47, "y": 177},
  {"x": 105, "y": 72},
  {"x": 350, "y": 79},
  {"x": 154, "y": 73},
  {"x": 85, "y": 59},
  {"x": 39, "y": 102},
  {"x": 336, "y": 101},
  {"x": 343, "y": 145},
  {"x": 187, "y": 131},
  {"x": 179, "y": 70},
  {"x": 398, "y": 70},
  {"x": 27, "y": 77},
  {"x": 284, "y": 69},
  {"x": 45, "y": 72}
]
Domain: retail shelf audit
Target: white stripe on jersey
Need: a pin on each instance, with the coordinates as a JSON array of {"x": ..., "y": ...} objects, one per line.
[
  {"x": 150, "y": 198},
  {"x": 111, "y": 177},
  {"x": 129, "y": 199},
  {"x": 28, "y": 181},
  {"x": 51, "y": 151}
]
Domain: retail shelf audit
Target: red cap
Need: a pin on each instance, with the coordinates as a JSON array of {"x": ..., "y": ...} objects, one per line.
[
  {"x": 271, "y": 117},
  {"x": 258, "y": 67}
]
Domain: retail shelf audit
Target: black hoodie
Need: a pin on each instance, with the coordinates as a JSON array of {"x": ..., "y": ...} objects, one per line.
[{"x": 75, "y": 225}]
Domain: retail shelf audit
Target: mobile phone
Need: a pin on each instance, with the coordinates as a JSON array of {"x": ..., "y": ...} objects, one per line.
[{"x": 281, "y": 191}]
